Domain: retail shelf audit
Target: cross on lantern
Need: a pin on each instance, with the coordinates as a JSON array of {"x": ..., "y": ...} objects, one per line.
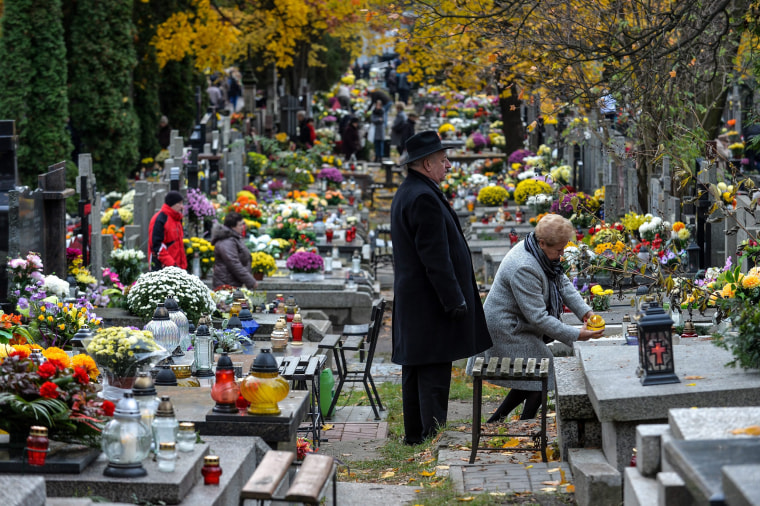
[
  {"x": 658, "y": 350},
  {"x": 654, "y": 329}
]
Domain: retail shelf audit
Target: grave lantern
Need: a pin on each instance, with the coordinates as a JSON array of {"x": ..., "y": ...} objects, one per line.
[
  {"x": 692, "y": 252},
  {"x": 126, "y": 441},
  {"x": 656, "y": 347},
  {"x": 264, "y": 387},
  {"x": 225, "y": 391},
  {"x": 204, "y": 350},
  {"x": 178, "y": 317},
  {"x": 165, "y": 331},
  {"x": 246, "y": 320},
  {"x": 80, "y": 340}
]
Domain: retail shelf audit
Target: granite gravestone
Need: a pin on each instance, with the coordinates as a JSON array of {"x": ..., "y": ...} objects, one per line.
[
  {"x": 8, "y": 179},
  {"x": 54, "y": 194}
]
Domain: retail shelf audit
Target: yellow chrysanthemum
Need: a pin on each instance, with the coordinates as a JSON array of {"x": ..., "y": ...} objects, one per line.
[
  {"x": 750, "y": 281},
  {"x": 728, "y": 291}
]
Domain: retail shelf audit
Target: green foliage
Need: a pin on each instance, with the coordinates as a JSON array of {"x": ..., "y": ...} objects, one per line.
[
  {"x": 177, "y": 94},
  {"x": 32, "y": 63},
  {"x": 744, "y": 344},
  {"x": 102, "y": 107}
]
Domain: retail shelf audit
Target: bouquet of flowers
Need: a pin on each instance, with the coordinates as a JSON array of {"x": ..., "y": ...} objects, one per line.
[
  {"x": 492, "y": 195},
  {"x": 192, "y": 294},
  {"x": 599, "y": 298},
  {"x": 128, "y": 264},
  {"x": 334, "y": 197},
  {"x": 332, "y": 175},
  {"x": 56, "y": 393},
  {"x": 256, "y": 163},
  {"x": 531, "y": 187},
  {"x": 229, "y": 340},
  {"x": 263, "y": 263},
  {"x": 198, "y": 207},
  {"x": 122, "y": 350},
  {"x": 23, "y": 275},
  {"x": 204, "y": 249},
  {"x": 249, "y": 209},
  {"x": 652, "y": 227},
  {"x": 305, "y": 261},
  {"x": 77, "y": 269},
  {"x": 54, "y": 323}
]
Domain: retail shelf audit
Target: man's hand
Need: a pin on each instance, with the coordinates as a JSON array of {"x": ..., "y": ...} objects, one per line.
[{"x": 459, "y": 312}]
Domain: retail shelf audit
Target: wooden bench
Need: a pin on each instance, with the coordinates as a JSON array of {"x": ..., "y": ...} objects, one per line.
[
  {"x": 505, "y": 369},
  {"x": 304, "y": 373},
  {"x": 308, "y": 486}
]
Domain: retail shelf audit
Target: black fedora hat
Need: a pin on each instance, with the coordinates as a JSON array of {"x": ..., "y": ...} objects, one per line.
[{"x": 421, "y": 145}]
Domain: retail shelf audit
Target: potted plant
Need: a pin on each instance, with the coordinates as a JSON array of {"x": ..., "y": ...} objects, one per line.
[
  {"x": 262, "y": 264},
  {"x": 305, "y": 266},
  {"x": 192, "y": 294}
]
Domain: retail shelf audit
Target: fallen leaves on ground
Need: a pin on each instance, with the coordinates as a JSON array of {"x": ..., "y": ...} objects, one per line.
[
  {"x": 752, "y": 430},
  {"x": 694, "y": 377},
  {"x": 327, "y": 426}
]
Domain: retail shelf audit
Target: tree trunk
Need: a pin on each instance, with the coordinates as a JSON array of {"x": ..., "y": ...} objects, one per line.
[{"x": 514, "y": 134}]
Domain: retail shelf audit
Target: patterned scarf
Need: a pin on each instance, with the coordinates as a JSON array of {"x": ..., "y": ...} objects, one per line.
[{"x": 553, "y": 271}]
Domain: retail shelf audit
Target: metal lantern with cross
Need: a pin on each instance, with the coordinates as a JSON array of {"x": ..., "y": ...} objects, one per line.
[{"x": 656, "y": 347}]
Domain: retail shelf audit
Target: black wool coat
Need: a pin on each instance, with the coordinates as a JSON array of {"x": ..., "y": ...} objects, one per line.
[{"x": 432, "y": 274}]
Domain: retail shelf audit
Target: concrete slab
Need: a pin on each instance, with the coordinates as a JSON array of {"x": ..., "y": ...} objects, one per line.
[
  {"x": 712, "y": 423},
  {"x": 22, "y": 490},
  {"x": 740, "y": 485},
  {"x": 638, "y": 490},
  {"x": 617, "y": 394},
  {"x": 597, "y": 483}
]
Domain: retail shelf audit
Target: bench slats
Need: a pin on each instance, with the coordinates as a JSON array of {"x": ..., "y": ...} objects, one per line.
[
  {"x": 505, "y": 366},
  {"x": 268, "y": 475},
  {"x": 310, "y": 478},
  {"x": 530, "y": 369},
  {"x": 290, "y": 370},
  {"x": 329, "y": 341},
  {"x": 544, "y": 370},
  {"x": 492, "y": 364},
  {"x": 477, "y": 367},
  {"x": 355, "y": 330},
  {"x": 353, "y": 343},
  {"x": 518, "y": 367}
]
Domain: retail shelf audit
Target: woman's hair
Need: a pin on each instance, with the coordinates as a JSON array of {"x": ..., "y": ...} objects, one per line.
[
  {"x": 553, "y": 229},
  {"x": 232, "y": 219}
]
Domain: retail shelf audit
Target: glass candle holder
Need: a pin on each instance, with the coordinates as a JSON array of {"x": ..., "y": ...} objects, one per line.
[
  {"x": 166, "y": 457},
  {"x": 211, "y": 470},
  {"x": 186, "y": 437},
  {"x": 37, "y": 445}
]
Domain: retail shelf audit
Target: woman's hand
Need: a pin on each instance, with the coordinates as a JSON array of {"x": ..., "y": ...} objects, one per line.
[
  {"x": 588, "y": 315},
  {"x": 587, "y": 334}
]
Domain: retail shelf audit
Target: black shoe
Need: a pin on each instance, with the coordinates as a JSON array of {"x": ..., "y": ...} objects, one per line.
[{"x": 410, "y": 442}]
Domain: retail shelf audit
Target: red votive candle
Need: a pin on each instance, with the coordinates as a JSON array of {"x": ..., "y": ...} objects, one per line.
[
  {"x": 211, "y": 470},
  {"x": 37, "y": 445}
]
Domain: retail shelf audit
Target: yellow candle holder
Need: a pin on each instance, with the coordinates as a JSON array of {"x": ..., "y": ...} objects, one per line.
[{"x": 595, "y": 323}]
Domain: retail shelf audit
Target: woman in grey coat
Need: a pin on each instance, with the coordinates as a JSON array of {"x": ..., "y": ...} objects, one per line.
[
  {"x": 524, "y": 307},
  {"x": 232, "y": 260}
]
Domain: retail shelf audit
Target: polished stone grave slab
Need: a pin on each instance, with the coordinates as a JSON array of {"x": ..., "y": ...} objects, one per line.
[
  {"x": 712, "y": 423},
  {"x": 194, "y": 404},
  {"x": 699, "y": 463},
  {"x": 61, "y": 458}
]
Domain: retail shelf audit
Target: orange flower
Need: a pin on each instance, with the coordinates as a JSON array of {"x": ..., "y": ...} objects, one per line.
[{"x": 731, "y": 122}]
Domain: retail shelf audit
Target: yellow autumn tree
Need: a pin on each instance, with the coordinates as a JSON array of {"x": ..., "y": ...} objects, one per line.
[
  {"x": 283, "y": 33},
  {"x": 670, "y": 63}
]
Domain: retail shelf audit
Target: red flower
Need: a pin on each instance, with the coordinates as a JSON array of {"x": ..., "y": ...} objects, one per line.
[
  {"x": 108, "y": 408},
  {"x": 80, "y": 374},
  {"x": 19, "y": 354},
  {"x": 57, "y": 363},
  {"x": 46, "y": 370},
  {"x": 49, "y": 390}
]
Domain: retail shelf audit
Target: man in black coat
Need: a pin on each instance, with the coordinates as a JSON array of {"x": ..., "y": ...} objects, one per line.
[{"x": 437, "y": 313}]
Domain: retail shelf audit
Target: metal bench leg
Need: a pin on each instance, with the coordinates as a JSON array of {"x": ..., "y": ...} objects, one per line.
[
  {"x": 477, "y": 385},
  {"x": 544, "y": 404},
  {"x": 371, "y": 400},
  {"x": 377, "y": 396}
]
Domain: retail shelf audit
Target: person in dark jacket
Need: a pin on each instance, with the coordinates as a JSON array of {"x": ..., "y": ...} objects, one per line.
[
  {"x": 165, "y": 235},
  {"x": 232, "y": 260},
  {"x": 407, "y": 132},
  {"x": 164, "y": 134},
  {"x": 350, "y": 140},
  {"x": 437, "y": 313}
]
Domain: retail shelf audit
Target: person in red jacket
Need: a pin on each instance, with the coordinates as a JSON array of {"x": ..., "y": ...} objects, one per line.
[{"x": 165, "y": 235}]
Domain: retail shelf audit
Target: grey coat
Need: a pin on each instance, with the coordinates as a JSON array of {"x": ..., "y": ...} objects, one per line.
[
  {"x": 517, "y": 317},
  {"x": 232, "y": 260}
]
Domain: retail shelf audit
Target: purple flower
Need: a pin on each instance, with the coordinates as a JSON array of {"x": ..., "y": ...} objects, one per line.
[
  {"x": 330, "y": 119},
  {"x": 198, "y": 206},
  {"x": 304, "y": 261},
  {"x": 23, "y": 303},
  {"x": 478, "y": 139},
  {"x": 728, "y": 264},
  {"x": 331, "y": 174},
  {"x": 517, "y": 156}
]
